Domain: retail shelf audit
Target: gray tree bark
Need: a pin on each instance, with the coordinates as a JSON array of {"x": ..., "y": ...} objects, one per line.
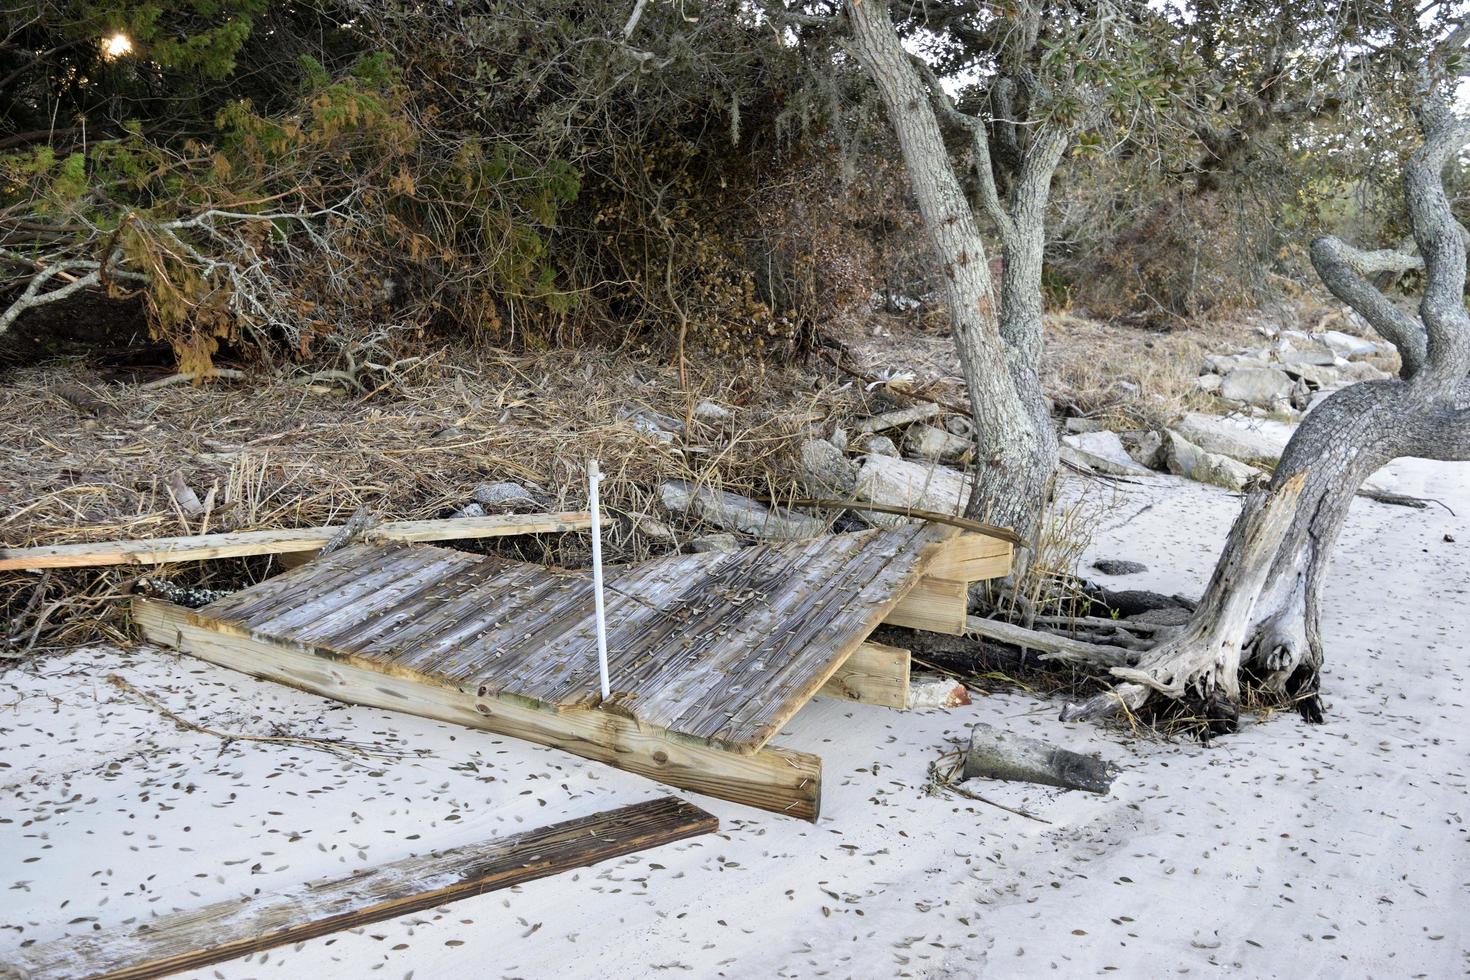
[
  {"x": 1425, "y": 412},
  {"x": 1000, "y": 349}
]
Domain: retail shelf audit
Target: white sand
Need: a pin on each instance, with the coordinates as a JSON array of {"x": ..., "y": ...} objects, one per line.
[{"x": 1340, "y": 850}]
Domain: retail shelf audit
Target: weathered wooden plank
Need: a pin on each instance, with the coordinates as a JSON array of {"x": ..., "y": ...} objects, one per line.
[
  {"x": 190, "y": 939},
  {"x": 780, "y": 780},
  {"x": 874, "y": 674},
  {"x": 934, "y": 604},
  {"x": 971, "y": 557},
  {"x": 196, "y": 547}
]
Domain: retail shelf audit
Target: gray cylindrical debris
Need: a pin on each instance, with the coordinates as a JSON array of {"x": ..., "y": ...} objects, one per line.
[{"x": 995, "y": 754}]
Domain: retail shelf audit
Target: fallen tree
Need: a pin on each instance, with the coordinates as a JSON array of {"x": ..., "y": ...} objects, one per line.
[{"x": 1261, "y": 612}]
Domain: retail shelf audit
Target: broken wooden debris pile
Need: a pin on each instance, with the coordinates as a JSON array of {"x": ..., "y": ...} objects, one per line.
[
  {"x": 710, "y": 654},
  {"x": 194, "y": 938}
]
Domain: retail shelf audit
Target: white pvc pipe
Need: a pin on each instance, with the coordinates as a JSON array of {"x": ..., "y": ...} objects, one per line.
[{"x": 594, "y": 475}]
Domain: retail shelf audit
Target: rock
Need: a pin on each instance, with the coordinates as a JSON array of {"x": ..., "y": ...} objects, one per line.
[
  {"x": 722, "y": 541},
  {"x": 503, "y": 496},
  {"x": 469, "y": 510},
  {"x": 1353, "y": 348},
  {"x": 1314, "y": 354},
  {"x": 654, "y": 528},
  {"x": 826, "y": 470},
  {"x": 937, "y": 692},
  {"x": 1234, "y": 439},
  {"x": 996, "y": 754},
  {"x": 879, "y": 446},
  {"x": 1256, "y": 386},
  {"x": 1132, "y": 602},
  {"x": 733, "y": 512},
  {"x": 1146, "y": 449},
  {"x": 1226, "y": 363},
  {"x": 1209, "y": 383},
  {"x": 902, "y": 416},
  {"x": 839, "y": 439},
  {"x": 903, "y": 483},
  {"x": 959, "y": 425},
  {"x": 1119, "y": 566},
  {"x": 1081, "y": 425},
  {"x": 1361, "y": 371},
  {"x": 710, "y": 412},
  {"x": 1101, "y": 451},
  {"x": 1188, "y": 460},
  {"x": 656, "y": 425},
  {"x": 1318, "y": 376},
  {"x": 931, "y": 442},
  {"x": 1164, "y": 616}
]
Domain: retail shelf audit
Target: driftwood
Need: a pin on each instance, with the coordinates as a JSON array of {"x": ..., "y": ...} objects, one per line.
[
  {"x": 1053, "y": 647},
  {"x": 994, "y": 754},
  {"x": 190, "y": 939},
  {"x": 195, "y": 547}
]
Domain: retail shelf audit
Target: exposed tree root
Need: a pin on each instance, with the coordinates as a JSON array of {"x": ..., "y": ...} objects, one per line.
[{"x": 1204, "y": 659}]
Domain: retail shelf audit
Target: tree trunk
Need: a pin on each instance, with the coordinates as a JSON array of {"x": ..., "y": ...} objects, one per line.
[
  {"x": 1261, "y": 610},
  {"x": 1016, "y": 447}
]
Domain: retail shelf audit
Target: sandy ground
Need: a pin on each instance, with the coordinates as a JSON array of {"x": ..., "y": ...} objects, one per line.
[{"x": 1286, "y": 850}]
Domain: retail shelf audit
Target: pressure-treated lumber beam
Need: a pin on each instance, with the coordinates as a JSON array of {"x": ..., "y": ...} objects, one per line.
[
  {"x": 874, "y": 674},
  {"x": 158, "y": 551},
  {"x": 780, "y": 780},
  {"x": 972, "y": 557},
  {"x": 191, "y": 939},
  {"x": 935, "y": 604}
]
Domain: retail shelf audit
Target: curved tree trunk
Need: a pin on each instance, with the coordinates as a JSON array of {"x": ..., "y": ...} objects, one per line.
[
  {"x": 1015, "y": 445},
  {"x": 1261, "y": 610}
]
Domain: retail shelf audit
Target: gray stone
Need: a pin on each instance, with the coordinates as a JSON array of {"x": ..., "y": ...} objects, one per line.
[
  {"x": 1081, "y": 425},
  {"x": 1217, "y": 435},
  {"x": 710, "y": 412},
  {"x": 1188, "y": 460},
  {"x": 733, "y": 512},
  {"x": 722, "y": 541},
  {"x": 879, "y": 446},
  {"x": 1318, "y": 376},
  {"x": 1362, "y": 371},
  {"x": 931, "y": 442},
  {"x": 1353, "y": 348},
  {"x": 1119, "y": 566},
  {"x": 654, "y": 528},
  {"x": 500, "y": 496},
  {"x": 904, "y": 483},
  {"x": 1146, "y": 449},
  {"x": 1318, "y": 354},
  {"x": 1167, "y": 616},
  {"x": 1101, "y": 451},
  {"x": 959, "y": 425},
  {"x": 1226, "y": 363},
  {"x": 826, "y": 470},
  {"x": 839, "y": 439},
  {"x": 1256, "y": 386},
  {"x": 1209, "y": 383}
]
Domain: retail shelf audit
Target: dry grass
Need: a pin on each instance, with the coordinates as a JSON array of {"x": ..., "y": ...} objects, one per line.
[
  {"x": 1131, "y": 378},
  {"x": 92, "y": 459},
  {"x": 1127, "y": 377}
]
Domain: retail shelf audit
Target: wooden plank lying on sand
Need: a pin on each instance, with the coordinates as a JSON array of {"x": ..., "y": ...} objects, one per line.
[
  {"x": 781, "y": 780},
  {"x": 874, "y": 674},
  {"x": 158, "y": 551},
  {"x": 190, "y": 939}
]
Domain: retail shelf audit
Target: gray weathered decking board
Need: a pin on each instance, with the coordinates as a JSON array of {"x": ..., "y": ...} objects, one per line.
[{"x": 719, "y": 647}]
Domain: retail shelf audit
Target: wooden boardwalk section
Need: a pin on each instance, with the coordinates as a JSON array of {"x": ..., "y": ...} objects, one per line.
[{"x": 710, "y": 653}]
